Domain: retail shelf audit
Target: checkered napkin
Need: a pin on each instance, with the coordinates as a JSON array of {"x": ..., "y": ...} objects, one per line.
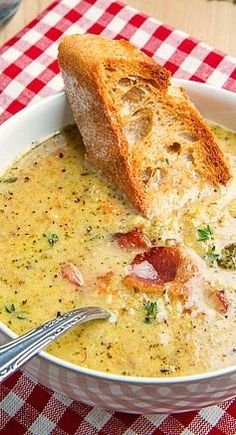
[{"x": 29, "y": 72}]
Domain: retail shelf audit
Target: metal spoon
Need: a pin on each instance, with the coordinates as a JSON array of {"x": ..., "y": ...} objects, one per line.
[{"x": 18, "y": 351}]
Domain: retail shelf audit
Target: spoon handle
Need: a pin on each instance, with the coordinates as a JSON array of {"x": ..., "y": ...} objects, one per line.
[{"x": 18, "y": 351}]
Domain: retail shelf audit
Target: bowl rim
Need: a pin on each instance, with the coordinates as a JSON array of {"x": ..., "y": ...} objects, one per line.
[{"x": 138, "y": 380}]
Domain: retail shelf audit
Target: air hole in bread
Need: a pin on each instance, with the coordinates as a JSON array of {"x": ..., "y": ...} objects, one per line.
[
  {"x": 171, "y": 121},
  {"x": 147, "y": 173},
  {"x": 174, "y": 148},
  {"x": 138, "y": 129},
  {"x": 124, "y": 82},
  {"x": 158, "y": 174},
  {"x": 188, "y": 157},
  {"x": 134, "y": 79},
  {"x": 135, "y": 94},
  {"x": 191, "y": 137},
  {"x": 131, "y": 100},
  {"x": 129, "y": 81}
]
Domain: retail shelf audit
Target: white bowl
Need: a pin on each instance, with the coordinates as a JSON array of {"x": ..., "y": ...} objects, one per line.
[{"x": 120, "y": 393}]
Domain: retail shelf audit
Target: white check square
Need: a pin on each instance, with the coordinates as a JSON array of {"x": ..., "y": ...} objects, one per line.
[
  {"x": 42, "y": 426},
  {"x": 11, "y": 402},
  {"x": 11, "y": 54},
  {"x": 212, "y": 414},
  {"x": 165, "y": 51},
  {"x": 93, "y": 13},
  {"x": 116, "y": 25},
  {"x": 14, "y": 89},
  {"x": 217, "y": 78},
  {"x": 34, "y": 68},
  {"x": 51, "y": 19},
  {"x": 191, "y": 64},
  {"x": 140, "y": 38},
  {"x": 32, "y": 36},
  {"x": 98, "y": 418}
]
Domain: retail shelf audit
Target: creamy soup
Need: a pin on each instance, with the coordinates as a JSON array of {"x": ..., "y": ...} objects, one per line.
[{"x": 60, "y": 250}]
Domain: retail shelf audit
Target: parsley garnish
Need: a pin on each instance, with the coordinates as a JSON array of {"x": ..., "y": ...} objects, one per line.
[
  {"x": 204, "y": 234},
  {"x": 10, "y": 309},
  {"x": 9, "y": 180},
  {"x": 211, "y": 256},
  {"x": 51, "y": 238},
  {"x": 150, "y": 309},
  {"x": 167, "y": 162}
]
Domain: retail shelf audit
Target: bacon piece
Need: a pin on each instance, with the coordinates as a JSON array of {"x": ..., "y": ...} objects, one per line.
[
  {"x": 106, "y": 278},
  {"x": 133, "y": 239},
  {"x": 164, "y": 260},
  {"x": 221, "y": 300},
  {"x": 152, "y": 270},
  {"x": 189, "y": 310},
  {"x": 103, "y": 281},
  {"x": 72, "y": 274}
]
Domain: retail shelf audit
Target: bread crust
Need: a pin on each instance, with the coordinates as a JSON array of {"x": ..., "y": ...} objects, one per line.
[{"x": 91, "y": 68}]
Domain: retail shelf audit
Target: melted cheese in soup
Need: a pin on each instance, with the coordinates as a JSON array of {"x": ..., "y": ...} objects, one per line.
[{"x": 58, "y": 252}]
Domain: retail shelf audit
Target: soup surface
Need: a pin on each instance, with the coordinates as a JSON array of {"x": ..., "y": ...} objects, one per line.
[{"x": 61, "y": 248}]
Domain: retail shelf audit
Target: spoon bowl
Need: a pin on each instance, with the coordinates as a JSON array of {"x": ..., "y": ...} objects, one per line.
[{"x": 17, "y": 352}]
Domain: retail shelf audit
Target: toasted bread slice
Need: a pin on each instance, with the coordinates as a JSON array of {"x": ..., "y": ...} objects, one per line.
[{"x": 144, "y": 134}]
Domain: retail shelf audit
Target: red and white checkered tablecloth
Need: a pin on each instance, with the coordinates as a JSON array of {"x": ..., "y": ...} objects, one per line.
[{"x": 29, "y": 72}]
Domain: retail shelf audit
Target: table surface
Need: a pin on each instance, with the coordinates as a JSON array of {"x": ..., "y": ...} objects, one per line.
[{"x": 210, "y": 21}]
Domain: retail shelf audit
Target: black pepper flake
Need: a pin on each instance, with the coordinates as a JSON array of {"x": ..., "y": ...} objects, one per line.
[
  {"x": 58, "y": 314},
  {"x": 26, "y": 179},
  {"x": 164, "y": 370},
  {"x": 61, "y": 155}
]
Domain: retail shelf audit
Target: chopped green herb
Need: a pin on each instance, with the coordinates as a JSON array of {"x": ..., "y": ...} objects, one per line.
[
  {"x": 204, "y": 234},
  {"x": 51, "y": 238},
  {"x": 211, "y": 256},
  {"x": 150, "y": 309},
  {"x": 167, "y": 162},
  {"x": 10, "y": 309},
  {"x": 9, "y": 180},
  {"x": 227, "y": 258}
]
